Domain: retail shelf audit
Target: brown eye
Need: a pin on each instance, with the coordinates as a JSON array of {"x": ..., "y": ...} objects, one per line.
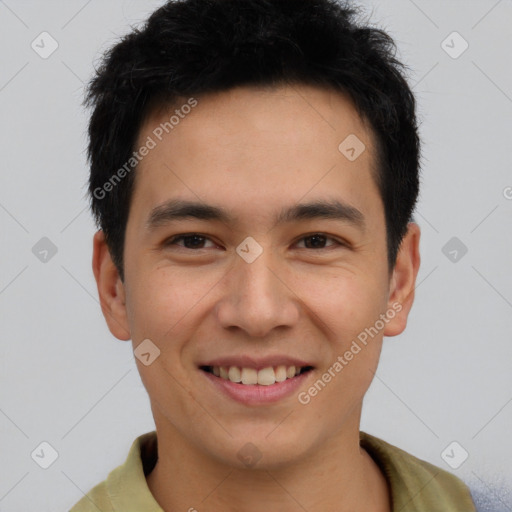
[
  {"x": 190, "y": 241},
  {"x": 318, "y": 241}
]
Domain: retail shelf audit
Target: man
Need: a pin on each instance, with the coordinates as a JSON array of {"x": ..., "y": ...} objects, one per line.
[{"x": 254, "y": 169}]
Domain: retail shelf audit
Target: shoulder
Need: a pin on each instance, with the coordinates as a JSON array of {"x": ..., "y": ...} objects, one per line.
[
  {"x": 125, "y": 488},
  {"x": 96, "y": 499},
  {"x": 416, "y": 484}
]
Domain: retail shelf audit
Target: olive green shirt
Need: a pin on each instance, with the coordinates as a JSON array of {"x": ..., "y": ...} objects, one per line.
[{"x": 415, "y": 485}]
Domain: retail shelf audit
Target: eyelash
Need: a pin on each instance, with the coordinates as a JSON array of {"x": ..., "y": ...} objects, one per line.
[{"x": 174, "y": 239}]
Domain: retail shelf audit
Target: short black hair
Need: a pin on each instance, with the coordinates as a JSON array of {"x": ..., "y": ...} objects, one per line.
[{"x": 193, "y": 47}]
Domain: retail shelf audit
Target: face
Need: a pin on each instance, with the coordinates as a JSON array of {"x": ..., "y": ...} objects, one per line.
[{"x": 282, "y": 262}]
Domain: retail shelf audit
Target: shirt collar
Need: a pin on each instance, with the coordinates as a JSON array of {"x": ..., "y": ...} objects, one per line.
[
  {"x": 129, "y": 492},
  {"x": 127, "y": 486}
]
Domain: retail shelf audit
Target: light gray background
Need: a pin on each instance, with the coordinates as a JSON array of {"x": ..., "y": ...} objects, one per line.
[{"x": 65, "y": 380}]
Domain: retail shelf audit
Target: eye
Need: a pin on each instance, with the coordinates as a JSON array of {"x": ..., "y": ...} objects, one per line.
[
  {"x": 317, "y": 241},
  {"x": 190, "y": 241}
]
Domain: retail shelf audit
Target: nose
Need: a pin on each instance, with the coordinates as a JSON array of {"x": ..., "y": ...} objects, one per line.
[{"x": 258, "y": 297}]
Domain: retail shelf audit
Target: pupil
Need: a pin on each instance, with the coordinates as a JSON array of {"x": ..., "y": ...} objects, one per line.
[
  {"x": 197, "y": 240},
  {"x": 312, "y": 237}
]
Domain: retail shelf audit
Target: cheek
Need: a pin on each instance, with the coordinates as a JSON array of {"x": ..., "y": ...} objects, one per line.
[
  {"x": 165, "y": 303},
  {"x": 348, "y": 309},
  {"x": 345, "y": 302},
  {"x": 165, "y": 307}
]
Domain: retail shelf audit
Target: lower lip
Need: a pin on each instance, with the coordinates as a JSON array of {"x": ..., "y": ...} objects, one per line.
[{"x": 257, "y": 394}]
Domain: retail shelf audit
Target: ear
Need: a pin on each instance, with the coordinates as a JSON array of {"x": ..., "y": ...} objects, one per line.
[
  {"x": 110, "y": 288},
  {"x": 403, "y": 280}
]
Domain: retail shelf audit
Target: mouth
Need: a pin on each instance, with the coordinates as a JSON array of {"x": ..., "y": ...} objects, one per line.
[
  {"x": 267, "y": 376},
  {"x": 257, "y": 386}
]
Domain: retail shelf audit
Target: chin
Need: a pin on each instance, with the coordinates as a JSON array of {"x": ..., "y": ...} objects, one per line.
[{"x": 261, "y": 451}]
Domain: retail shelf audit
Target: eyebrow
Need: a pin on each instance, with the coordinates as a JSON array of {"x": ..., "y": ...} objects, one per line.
[{"x": 178, "y": 209}]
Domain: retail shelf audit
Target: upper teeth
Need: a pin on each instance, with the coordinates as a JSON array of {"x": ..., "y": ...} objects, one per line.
[{"x": 263, "y": 377}]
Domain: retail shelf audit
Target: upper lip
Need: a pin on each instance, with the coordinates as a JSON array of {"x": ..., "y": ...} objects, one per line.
[{"x": 247, "y": 361}]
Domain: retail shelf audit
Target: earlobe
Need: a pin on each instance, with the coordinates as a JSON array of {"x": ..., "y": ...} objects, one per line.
[
  {"x": 111, "y": 289},
  {"x": 403, "y": 280}
]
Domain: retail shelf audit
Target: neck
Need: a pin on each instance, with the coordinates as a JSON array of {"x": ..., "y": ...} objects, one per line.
[{"x": 339, "y": 475}]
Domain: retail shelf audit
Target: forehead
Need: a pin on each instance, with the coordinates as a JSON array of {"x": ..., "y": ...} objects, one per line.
[
  {"x": 255, "y": 146},
  {"x": 287, "y": 110}
]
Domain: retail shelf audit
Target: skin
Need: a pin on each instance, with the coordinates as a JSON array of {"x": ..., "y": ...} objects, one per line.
[{"x": 255, "y": 151}]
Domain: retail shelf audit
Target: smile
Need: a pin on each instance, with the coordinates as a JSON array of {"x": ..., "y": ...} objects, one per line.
[
  {"x": 251, "y": 387},
  {"x": 251, "y": 376}
]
